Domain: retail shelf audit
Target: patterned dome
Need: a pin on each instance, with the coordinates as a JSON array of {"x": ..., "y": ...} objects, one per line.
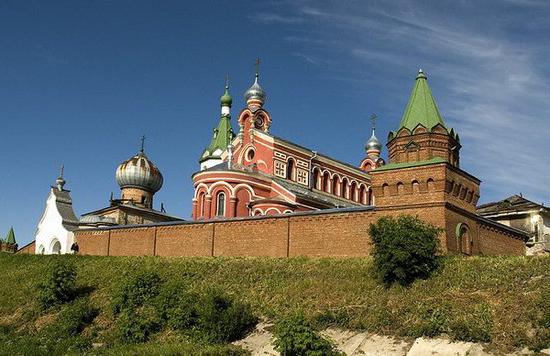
[
  {"x": 255, "y": 92},
  {"x": 139, "y": 172}
]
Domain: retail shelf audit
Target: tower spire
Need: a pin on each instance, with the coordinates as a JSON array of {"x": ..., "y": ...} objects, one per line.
[{"x": 421, "y": 108}]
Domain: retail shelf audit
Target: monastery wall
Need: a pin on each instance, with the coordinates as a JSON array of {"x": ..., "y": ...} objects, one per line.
[{"x": 341, "y": 233}]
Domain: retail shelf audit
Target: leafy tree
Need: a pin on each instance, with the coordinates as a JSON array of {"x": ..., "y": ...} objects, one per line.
[{"x": 405, "y": 249}]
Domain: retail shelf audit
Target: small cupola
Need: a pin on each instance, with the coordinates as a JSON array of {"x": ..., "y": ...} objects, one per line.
[{"x": 255, "y": 95}]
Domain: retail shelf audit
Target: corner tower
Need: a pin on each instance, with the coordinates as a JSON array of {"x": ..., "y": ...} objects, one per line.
[
  {"x": 423, "y": 163},
  {"x": 422, "y": 134}
]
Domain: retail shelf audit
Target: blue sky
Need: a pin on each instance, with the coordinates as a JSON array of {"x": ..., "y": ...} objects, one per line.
[{"x": 81, "y": 81}]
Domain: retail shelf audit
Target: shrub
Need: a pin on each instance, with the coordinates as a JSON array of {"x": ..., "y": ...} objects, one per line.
[
  {"x": 296, "y": 336},
  {"x": 136, "y": 291},
  {"x": 59, "y": 286},
  {"x": 137, "y": 325},
  {"x": 76, "y": 316},
  {"x": 177, "y": 308},
  {"x": 222, "y": 319},
  {"x": 404, "y": 249}
]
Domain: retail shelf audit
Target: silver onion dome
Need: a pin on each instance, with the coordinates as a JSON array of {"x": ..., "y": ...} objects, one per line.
[
  {"x": 373, "y": 143},
  {"x": 139, "y": 172},
  {"x": 255, "y": 92}
]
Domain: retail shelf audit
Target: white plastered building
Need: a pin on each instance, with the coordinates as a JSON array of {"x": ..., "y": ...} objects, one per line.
[{"x": 54, "y": 234}]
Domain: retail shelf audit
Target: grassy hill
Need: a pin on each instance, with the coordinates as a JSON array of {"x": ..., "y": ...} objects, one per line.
[{"x": 503, "y": 301}]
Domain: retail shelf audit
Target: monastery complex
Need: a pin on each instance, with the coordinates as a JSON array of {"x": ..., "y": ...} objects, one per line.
[{"x": 256, "y": 194}]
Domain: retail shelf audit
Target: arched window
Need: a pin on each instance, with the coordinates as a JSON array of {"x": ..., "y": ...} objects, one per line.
[
  {"x": 415, "y": 186},
  {"x": 430, "y": 184},
  {"x": 345, "y": 188},
  {"x": 362, "y": 195},
  {"x": 220, "y": 204},
  {"x": 316, "y": 183},
  {"x": 41, "y": 250},
  {"x": 370, "y": 199},
  {"x": 385, "y": 189},
  {"x": 290, "y": 169},
  {"x": 336, "y": 185},
  {"x": 56, "y": 247},
  {"x": 400, "y": 188},
  {"x": 353, "y": 192},
  {"x": 326, "y": 182},
  {"x": 200, "y": 205}
]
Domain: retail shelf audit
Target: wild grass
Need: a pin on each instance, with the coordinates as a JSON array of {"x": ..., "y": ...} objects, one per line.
[{"x": 502, "y": 301}]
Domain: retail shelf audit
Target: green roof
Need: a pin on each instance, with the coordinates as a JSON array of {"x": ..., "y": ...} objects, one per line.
[
  {"x": 421, "y": 109},
  {"x": 221, "y": 138},
  {"x": 390, "y": 166},
  {"x": 10, "y": 238}
]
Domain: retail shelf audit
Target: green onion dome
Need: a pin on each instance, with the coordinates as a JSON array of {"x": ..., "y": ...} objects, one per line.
[{"x": 226, "y": 99}]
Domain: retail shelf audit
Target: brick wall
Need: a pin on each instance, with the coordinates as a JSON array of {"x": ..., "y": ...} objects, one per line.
[
  {"x": 335, "y": 234},
  {"x": 258, "y": 237},
  {"x": 27, "y": 249},
  {"x": 93, "y": 242},
  {"x": 132, "y": 242},
  {"x": 185, "y": 240}
]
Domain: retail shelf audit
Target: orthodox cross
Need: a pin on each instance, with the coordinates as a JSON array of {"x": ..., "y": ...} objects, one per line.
[
  {"x": 227, "y": 81},
  {"x": 373, "y": 121},
  {"x": 257, "y": 64},
  {"x": 62, "y": 170},
  {"x": 142, "y": 143}
]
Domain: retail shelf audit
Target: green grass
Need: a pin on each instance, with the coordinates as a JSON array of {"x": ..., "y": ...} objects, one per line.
[{"x": 499, "y": 300}]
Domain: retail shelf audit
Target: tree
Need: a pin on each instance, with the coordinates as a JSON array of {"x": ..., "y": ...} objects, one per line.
[{"x": 405, "y": 249}]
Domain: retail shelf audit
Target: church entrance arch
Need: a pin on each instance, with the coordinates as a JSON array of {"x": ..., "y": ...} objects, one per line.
[{"x": 56, "y": 247}]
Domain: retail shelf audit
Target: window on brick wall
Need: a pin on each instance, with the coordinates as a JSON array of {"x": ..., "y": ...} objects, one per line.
[{"x": 220, "y": 204}]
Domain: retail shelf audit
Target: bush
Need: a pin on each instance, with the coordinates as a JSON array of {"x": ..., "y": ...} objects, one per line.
[
  {"x": 404, "y": 249},
  {"x": 136, "y": 291},
  {"x": 222, "y": 319},
  {"x": 76, "y": 316},
  {"x": 59, "y": 286},
  {"x": 177, "y": 308},
  {"x": 137, "y": 325},
  {"x": 296, "y": 336}
]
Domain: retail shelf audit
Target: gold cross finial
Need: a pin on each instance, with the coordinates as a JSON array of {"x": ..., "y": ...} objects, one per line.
[
  {"x": 142, "y": 143},
  {"x": 227, "y": 81}
]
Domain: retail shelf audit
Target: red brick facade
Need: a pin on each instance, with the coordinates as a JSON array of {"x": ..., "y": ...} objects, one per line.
[{"x": 314, "y": 234}]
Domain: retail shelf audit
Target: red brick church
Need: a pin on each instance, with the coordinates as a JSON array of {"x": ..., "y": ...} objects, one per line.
[{"x": 255, "y": 173}]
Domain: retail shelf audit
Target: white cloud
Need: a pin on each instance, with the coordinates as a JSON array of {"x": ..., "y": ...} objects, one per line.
[{"x": 491, "y": 87}]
